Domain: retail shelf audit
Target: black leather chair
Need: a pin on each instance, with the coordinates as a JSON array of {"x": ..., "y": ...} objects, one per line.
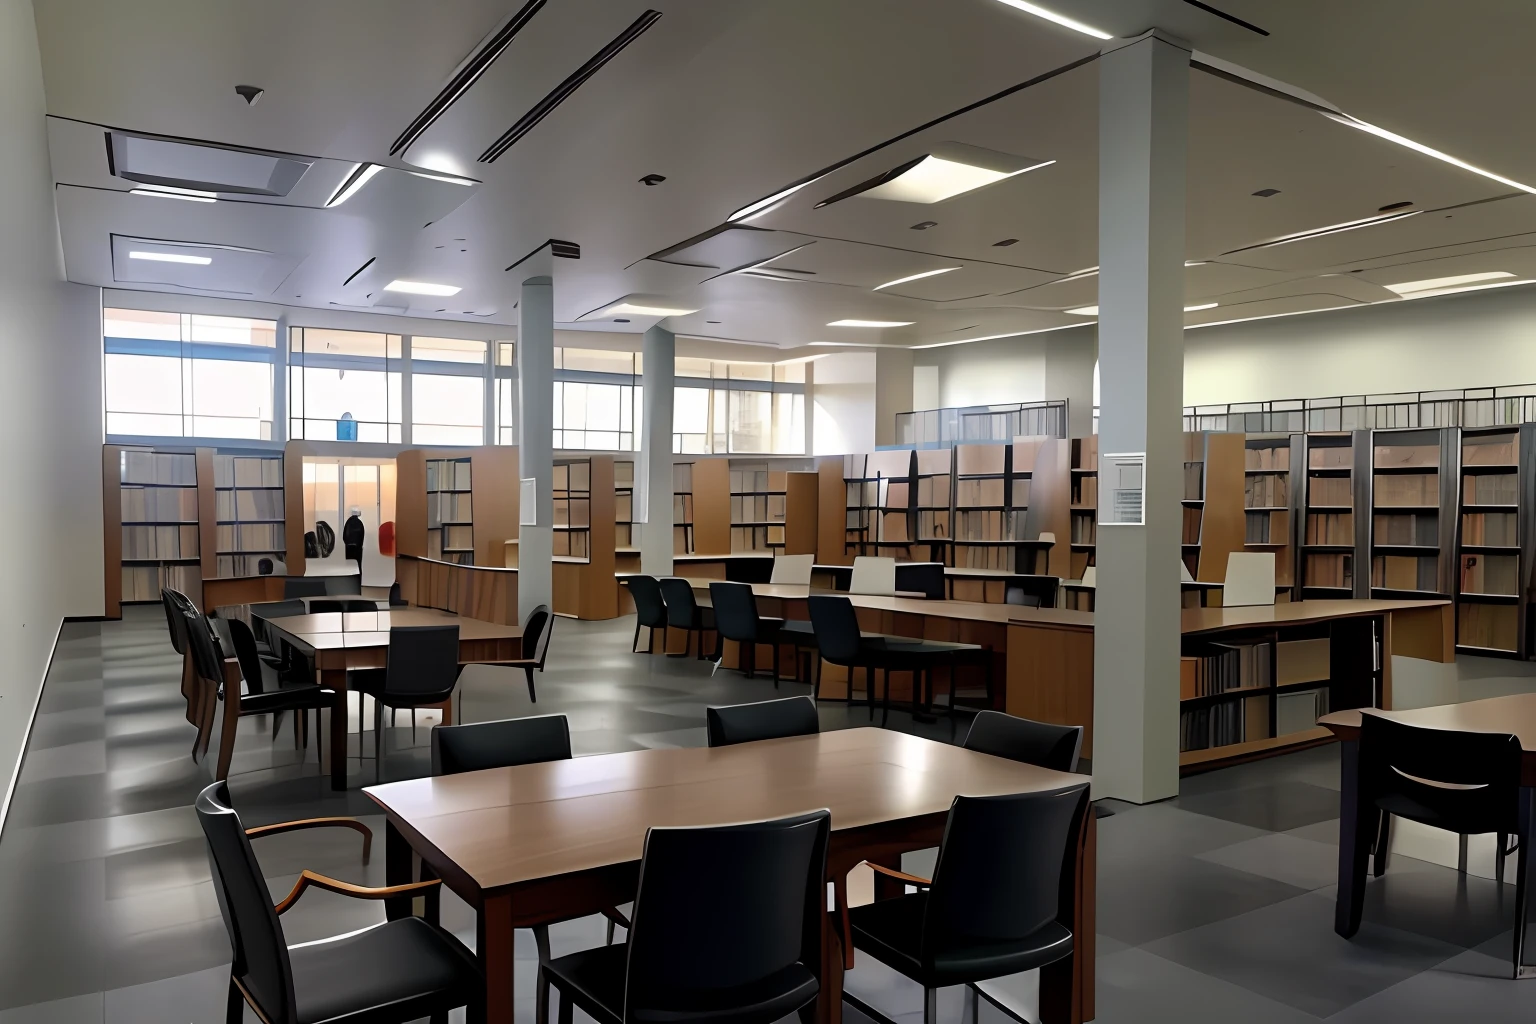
[
  {"x": 650, "y": 611},
  {"x": 684, "y": 613},
  {"x": 505, "y": 744},
  {"x": 300, "y": 586},
  {"x": 1463, "y": 782},
  {"x": 727, "y": 930},
  {"x": 1031, "y": 591},
  {"x": 391, "y": 973},
  {"x": 535, "y": 647},
  {"x": 344, "y": 605},
  {"x": 1019, "y": 739},
  {"x": 926, "y": 578},
  {"x": 763, "y": 720},
  {"x": 298, "y": 698},
  {"x": 736, "y": 618},
  {"x": 999, "y": 902},
  {"x": 421, "y": 669}
]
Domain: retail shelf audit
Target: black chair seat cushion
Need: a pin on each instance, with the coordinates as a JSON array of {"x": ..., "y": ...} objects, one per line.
[
  {"x": 399, "y": 971},
  {"x": 284, "y": 699},
  {"x": 594, "y": 980},
  {"x": 891, "y": 931}
]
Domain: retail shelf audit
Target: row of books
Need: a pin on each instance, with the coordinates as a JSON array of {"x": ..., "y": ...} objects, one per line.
[
  {"x": 1329, "y": 570},
  {"x": 1085, "y": 491},
  {"x": 1242, "y": 721},
  {"x": 758, "y": 508},
  {"x": 160, "y": 542},
  {"x": 1085, "y": 529},
  {"x": 682, "y": 508},
  {"x": 1407, "y": 456},
  {"x": 1490, "y": 574},
  {"x": 1276, "y": 458},
  {"x": 250, "y": 537},
  {"x": 450, "y": 538},
  {"x": 1406, "y": 572},
  {"x": 989, "y": 525},
  {"x": 933, "y": 491},
  {"x": 1423, "y": 528},
  {"x": 893, "y": 527},
  {"x": 575, "y": 543},
  {"x": 1494, "y": 626},
  {"x": 623, "y": 535},
  {"x": 682, "y": 477},
  {"x": 1496, "y": 528},
  {"x": 971, "y": 556},
  {"x": 572, "y": 476},
  {"x": 1266, "y": 491},
  {"x": 1505, "y": 451},
  {"x": 1395, "y": 490},
  {"x": 573, "y": 511},
  {"x": 449, "y": 507},
  {"x": 979, "y": 492},
  {"x": 449, "y": 475},
  {"x": 1192, "y": 517},
  {"x": 1225, "y": 667},
  {"x": 1330, "y": 458},
  {"x": 1330, "y": 490},
  {"x": 1490, "y": 489},
  {"x": 624, "y": 506},
  {"x": 245, "y": 506},
  {"x": 159, "y": 504},
  {"x": 744, "y": 480},
  {"x": 1194, "y": 481},
  {"x": 1267, "y": 528},
  {"x": 1330, "y": 528},
  {"x": 933, "y": 525},
  {"x": 756, "y": 538},
  {"x": 144, "y": 582},
  {"x": 247, "y": 471},
  {"x": 173, "y": 468},
  {"x": 227, "y": 566}
]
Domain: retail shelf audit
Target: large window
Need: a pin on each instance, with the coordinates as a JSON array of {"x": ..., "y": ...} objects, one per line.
[
  {"x": 598, "y": 400},
  {"x": 187, "y": 375},
  {"x": 344, "y": 385},
  {"x": 747, "y": 408},
  {"x": 447, "y": 391}
]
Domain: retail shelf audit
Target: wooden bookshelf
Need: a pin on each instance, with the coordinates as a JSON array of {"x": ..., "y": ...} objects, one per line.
[
  {"x": 624, "y": 503},
  {"x": 157, "y": 525},
  {"x": 571, "y": 494},
  {"x": 1048, "y": 508},
  {"x": 1328, "y": 554},
  {"x": 1269, "y": 502},
  {"x": 1084, "y": 529},
  {"x": 758, "y": 490},
  {"x": 934, "y": 504},
  {"x": 802, "y": 512},
  {"x": 832, "y": 511},
  {"x": 249, "y": 514},
  {"x": 450, "y": 510},
  {"x": 885, "y": 503},
  {"x": 985, "y": 524},
  {"x": 1214, "y": 511},
  {"x": 583, "y": 580},
  {"x": 711, "y": 490},
  {"x": 682, "y": 508},
  {"x": 1414, "y": 481},
  {"x": 1493, "y": 535}
]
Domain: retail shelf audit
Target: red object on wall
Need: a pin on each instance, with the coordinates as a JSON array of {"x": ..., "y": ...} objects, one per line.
[{"x": 387, "y": 539}]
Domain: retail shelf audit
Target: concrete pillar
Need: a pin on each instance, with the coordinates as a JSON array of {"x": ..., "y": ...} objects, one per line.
[
  {"x": 1143, "y": 128},
  {"x": 658, "y": 352},
  {"x": 535, "y": 439}
]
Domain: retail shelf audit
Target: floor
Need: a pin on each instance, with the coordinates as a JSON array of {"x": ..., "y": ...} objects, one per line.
[{"x": 1216, "y": 906}]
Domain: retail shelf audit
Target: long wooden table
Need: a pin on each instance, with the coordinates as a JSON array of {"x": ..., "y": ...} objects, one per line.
[
  {"x": 546, "y": 842},
  {"x": 340, "y": 641}
]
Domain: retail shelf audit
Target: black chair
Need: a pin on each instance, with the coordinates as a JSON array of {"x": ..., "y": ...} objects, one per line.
[
  {"x": 344, "y": 605},
  {"x": 505, "y": 744},
  {"x": 1463, "y": 782},
  {"x": 763, "y": 720},
  {"x": 535, "y": 647},
  {"x": 926, "y": 578},
  {"x": 736, "y": 618},
  {"x": 301, "y": 697},
  {"x": 999, "y": 903},
  {"x": 727, "y": 930},
  {"x": 684, "y": 613},
  {"x": 1019, "y": 739},
  {"x": 420, "y": 670},
  {"x": 299, "y": 586},
  {"x": 395, "y": 600},
  {"x": 650, "y": 611},
  {"x": 264, "y": 567},
  {"x": 1031, "y": 591},
  {"x": 395, "y": 972}
]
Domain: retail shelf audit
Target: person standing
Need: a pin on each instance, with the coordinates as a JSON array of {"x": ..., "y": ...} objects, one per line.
[{"x": 352, "y": 534}]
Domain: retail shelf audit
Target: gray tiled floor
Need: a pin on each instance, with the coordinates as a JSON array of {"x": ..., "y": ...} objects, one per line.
[{"x": 1216, "y": 906}]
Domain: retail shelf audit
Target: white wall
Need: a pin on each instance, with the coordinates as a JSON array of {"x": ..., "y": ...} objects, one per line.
[
  {"x": 50, "y": 402},
  {"x": 843, "y": 404}
]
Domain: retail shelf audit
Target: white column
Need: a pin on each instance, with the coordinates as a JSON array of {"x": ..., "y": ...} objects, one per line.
[
  {"x": 535, "y": 438},
  {"x": 1143, "y": 123},
  {"x": 658, "y": 356},
  {"x": 407, "y": 413},
  {"x": 280, "y": 382}
]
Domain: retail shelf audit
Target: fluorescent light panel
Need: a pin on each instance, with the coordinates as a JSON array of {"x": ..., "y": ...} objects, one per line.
[
  {"x": 995, "y": 337},
  {"x": 360, "y": 176},
  {"x": 421, "y": 288},
  {"x": 171, "y": 257},
  {"x": 1094, "y": 310},
  {"x": 1438, "y": 285},
  {"x": 915, "y": 277},
  {"x": 450, "y": 179},
  {"x": 1419, "y": 147},
  {"x": 1060, "y": 19},
  {"x": 949, "y": 170},
  {"x": 754, "y": 210},
  {"x": 871, "y": 323},
  {"x": 166, "y": 192},
  {"x": 1452, "y": 290},
  {"x": 630, "y": 309},
  {"x": 1332, "y": 229}
]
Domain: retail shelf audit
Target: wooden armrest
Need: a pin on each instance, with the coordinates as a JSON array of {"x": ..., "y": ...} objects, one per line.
[
  {"x": 613, "y": 914},
  {"x": 309, "y": 878},
  {"x": 303, "y": 823},
  {"x": 901, "y": 876}
]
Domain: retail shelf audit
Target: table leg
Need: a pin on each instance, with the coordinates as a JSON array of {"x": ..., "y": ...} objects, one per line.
[
  {"x": 493, "y": 945},
  {"x": 397, "y": 870},
  {"x": 336, "y": 679},
  {"x": 886, "y": 887},
  {"x": 1356, "y": 829}
]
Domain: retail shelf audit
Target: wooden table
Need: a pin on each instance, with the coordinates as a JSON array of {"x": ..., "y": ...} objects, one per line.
[
  {"x": 546, "y": 842},
  {"x": 1513, "y": 714},
  {"x": 340, "y": 641}
]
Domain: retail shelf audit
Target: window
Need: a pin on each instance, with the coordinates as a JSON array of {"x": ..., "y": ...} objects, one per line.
[
  {"x": 187, "y": 375},
  {"x": 598, "y": 400},
  {"x": 344, "y": 385},
  {"x": 729, "y": 408},
  {"x": 447, "y": 391},
  {"x": 506, "y": 394}
]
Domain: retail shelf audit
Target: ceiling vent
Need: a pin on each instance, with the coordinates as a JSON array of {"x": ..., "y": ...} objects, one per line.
[{"x": 179, "y": 163}]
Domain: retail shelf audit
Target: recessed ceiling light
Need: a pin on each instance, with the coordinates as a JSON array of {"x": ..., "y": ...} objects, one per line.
[
  {"x": 620, "y": 320},
  {"x": 171, "y": 257},
  {"x": 1265, "y": 193},
  {"x": 191, "y": 195},
  {"x": 995, "y": 337},
  {"x": 915, "y": 277},
  {"x": 871, "y": 323},
  {"x": 948, "y": 170},
  {"x": 1006, "y": 242},
  {"x": 360, "y": 176},
  {"x": 712, "y": 321},
  {"x": 1200, "y": 306},
  {"x": 754, "y": 210},
  {"x": 1094, "y": 310},
  {"x": 421, "y": 288},
  {"x": 1419, "y": 147},
  {"x": 924, "y": 225},
  {"x": 1060, "y": 19},
  {"x": 1447, "y": 285},
  {"x": 631, "y": 309}
]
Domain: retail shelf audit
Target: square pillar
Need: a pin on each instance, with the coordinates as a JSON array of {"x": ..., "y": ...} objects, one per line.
[
  {"x": 535, "y": 439},
  {"x": 659, "y": 351}
]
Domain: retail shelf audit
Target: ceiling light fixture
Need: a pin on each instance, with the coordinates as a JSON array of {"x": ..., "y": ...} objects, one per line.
[
  {"x": 449, "y": 178},
  {"x": 914, "y": 277},
  {"x": 171, "y": 257},
  {"x": 995, "y": 337},
  {"x": 1419, "y": 147},
  {"x": 1060, "y": 19},
  {"x": 871, "y": 323},
  {"x": 1434, "y": 284},
  {"x": 1452, "y": 289},
  {"x": 359, "y": 176},
  {"x": 949, "y": 170},
  {"x": 1094, "y": 310},
  {"x": 189, "y": 194},
  {"x": 752, "y": 211},
  {"x": 421, "y": 288},
  {"x": 1332, "y": 229},
  {"x": 630, "y": 309},
  {"x": 847, "y": 344}
]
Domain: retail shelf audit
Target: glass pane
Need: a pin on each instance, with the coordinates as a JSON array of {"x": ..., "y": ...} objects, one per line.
[
  {"x": 231, "y": 399},
  {"x": 574, "y": 415},
  {"x": 318, "y": 341},
  {"x": 751, "y": 418},
  {"x": 365, "y": 396},
  {"x": 602, "y": 407},
  {"x": 149, "y": 384},
  {"x": 233, "y": 330},
  {"x": 789, "y": 424},
  {"x": 685, "y": 367},
  {"x": 598, "y": 360},
  {"x": 448, "y": 350},
  {"x": 506, "y": 412},
  {"x": 141, "y": 323},
  {"x": 751, "y": 371},
  {"x": 690, "y": 410},
  {"x": 505, "y": 351},
  {"x": 789, "y": 373},
  {"x": 447, "y": 410}
]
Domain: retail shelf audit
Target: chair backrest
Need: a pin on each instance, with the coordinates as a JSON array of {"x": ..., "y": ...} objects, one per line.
[
  {"x": 926, "y": 578},
  {"x": 1250, "y": 579},
  {"x": 255, "y": 934},
  {"x": 1020, "y": 589},
  {"x": 725, "y": 906},
  {"x": 873, "y": 575},
  {"x": 344, "y": 605},
  {"x": 247, "y": 654},
  {"x": 299, "y": 586},
  {"x": 1001, "y": 867},
  {"x": 794, "y": 570},
  {"x": 764, "y": 720},
  {"x": 395, "y": 600},
  {"x": 174, "y": 620},
  {"x": 735, "y": 611},
  {"x": 513, "y": 741},
  {"x": 650, "y": 609},
  {"x": 423, "y": 661},
  {"x": 1478, "y": 774},
  {"x": 536, "y": 633},
  {"x": 202, "y": 640},
  {"x": 1019, "y": 739},
  {"x": 682, "y": 609},
  {"x": 836, "y": 626}
]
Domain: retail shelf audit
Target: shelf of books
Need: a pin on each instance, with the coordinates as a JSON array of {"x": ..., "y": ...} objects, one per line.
[
  {"x": 757, "y": 506},
  {"x": 1490, "y": 603},
  {"x": 1193, "y": 502},
  {"x": 624, "y": 504},
  {"x": 450, "y": 511},
  {"x": 1410, "y": 474},
  {"x": 1085, "y": 503},
  {"x": 880, "y": 503},
  {"x": 935, "y": 503},
  {"x": 1327, "y": 560},
  {"x": 682, "y": 508},
  {"x": 987, "y": 528},
  {"x": 1268, "y": 509},
  {"x": 248, "y": 513},
  {"x": 571, "y": 492},
  {"x": 157, "y": 493}
]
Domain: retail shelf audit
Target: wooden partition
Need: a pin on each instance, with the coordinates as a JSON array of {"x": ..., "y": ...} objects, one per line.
[
  {"x": 585, "y": 587},
  {"x": 293, "y": 506},
  {"x": 831, "y": 512},
  {"x": 801, "y": 513},
  {"x": 1050, "y": 505},
  {"x": 1223, "y": 525},
  {"x": 411, "y": 503},
  {"x": 112, "y": 529},
  {"x": 712, "y": 506},
  {"x": 495, "y": 493},
  {"x": 230, "y": 590},
  {"x": 474, "y": 591}
]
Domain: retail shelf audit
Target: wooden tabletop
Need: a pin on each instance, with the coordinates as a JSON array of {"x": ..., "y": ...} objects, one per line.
[
  {"x": 511, "y": 825},
  {"x": 1512, "y": 714},
  {"x": 332, "y": 630},
  {"x": 1203, "y": 620}
]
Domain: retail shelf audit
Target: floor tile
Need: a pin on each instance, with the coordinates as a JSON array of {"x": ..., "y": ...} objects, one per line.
[
  {"x": 1284, "y": 857},
  {"x": 83, "y": 1009},
  {"x": 1468, "y": 987},
  {"x": 1276, "y": 808},
  {"x": 1138, "y": 987},
  {"x": 1163, "y": 896}
]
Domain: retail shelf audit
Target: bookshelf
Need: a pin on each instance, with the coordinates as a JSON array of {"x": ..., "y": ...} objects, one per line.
[
  {"x": 986, "y": 525},
  {"x": 158, "y": 535},
  {"x": 624, "y": 504},
  {"x": 934, "y": 503},
  {"x": 1269, "y": 502},
  {"x": 1414, "y": 477},
  {"x": 1084, "y": 505},
  {"x": 1327, "y": 552},
  {"x": 450, "y": 511},
  {"x": 682, "y": 508},
  {"x": 1214, "y": 510},
  {"x": 757, "y": 506},
  {"x": 711, "y": 490},
  {"x": 1490, "y": 561},
  {"x": 880, "y": 502},
  {"x": 571, "y": 493},
  {"x": 585, "y": 532},
  {"x": 249, "y": 513}
]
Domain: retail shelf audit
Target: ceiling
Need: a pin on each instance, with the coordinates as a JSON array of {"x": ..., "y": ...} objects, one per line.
[{"x": 733, "y": 101}]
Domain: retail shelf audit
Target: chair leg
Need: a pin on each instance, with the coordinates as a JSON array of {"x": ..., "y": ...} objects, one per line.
[
  {"x": 1521, "y": 896},
  {"x": 1499, "y": 855},
  {"x": 634, "y": 647},
  {"x": 541, "y": 992},
  {"x": 973, "y": 1001},
  {"x": 234, "y": 1004},
  {"x": 775, "y": 664},
  {"x": 566, "y": 1006},
  {"x": 930, "y": 1000},
  {"x": 748, "y": 653},
  {"x": 1461, "y": 854},
  {"x": 378, "y": 741},
  {"x": 1383, "y": 839},
  {"x": 532, "y": 696}
]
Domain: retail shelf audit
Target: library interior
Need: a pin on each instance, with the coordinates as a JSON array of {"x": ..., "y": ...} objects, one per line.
[{"x": 996, "y": 511}]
